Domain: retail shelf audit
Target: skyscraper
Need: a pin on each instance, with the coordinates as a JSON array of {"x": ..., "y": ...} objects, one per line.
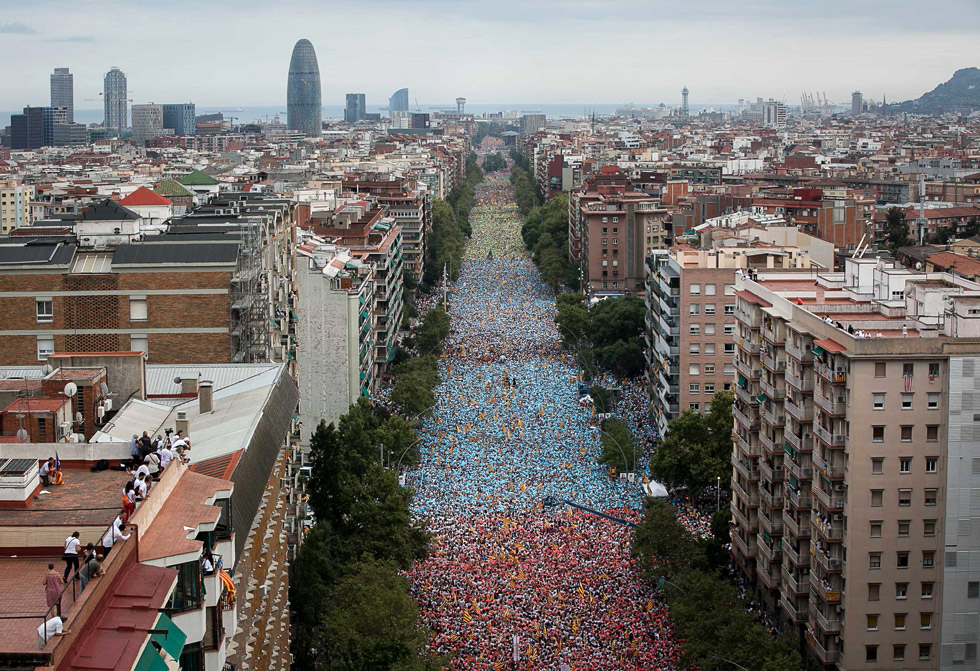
[
  {"x": 116, "y": 98},
  {"x": 857, "y": 102},
  {"x": 303, "y": 108},
  {"x": 147, "y": 122},
  {"x": 684, "y": 108},
  {"x": 356, "y": 107},
  {"x": 398, "y": 102},
  {"x": 63, "y": 91},
  {"x": 180, "y": 118}
]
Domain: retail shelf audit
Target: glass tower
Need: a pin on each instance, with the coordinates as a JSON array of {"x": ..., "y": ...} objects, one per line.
[
  {"x": 116, "y": 99},
  {"x": 303, "y": 111},
  {"x": 63, "y": 91}
]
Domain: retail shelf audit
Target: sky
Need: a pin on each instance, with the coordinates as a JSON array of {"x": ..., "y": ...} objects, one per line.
[{"x": 236, "y": 52}]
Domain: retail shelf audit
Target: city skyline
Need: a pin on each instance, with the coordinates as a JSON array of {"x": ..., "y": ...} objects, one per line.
[{"x": 500, "y": 44}]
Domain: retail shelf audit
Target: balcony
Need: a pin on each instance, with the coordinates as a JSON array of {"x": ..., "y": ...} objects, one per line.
[
  {"x": 770, "y": 527},
  {"x": 744, "y": 395},
  {"x": 799, "y": 472},
  {"x": 750, "y": 424},
  {"x": 775, "y": 392},
  {"x": 771, "y": 332},
  {"x": 767, "y": 443},
  {"x": 744, "y": 548},
  {"x": 747, "y": 370},
  {"x": 745, "y": 469},
  {"x": 774, "y": 364},
  {"x": 828, "y": 373},
  {"x": 791, "y": 611},
  {"x": 829, "y": 564},
  {"x": 832, "y": 408},
  {"x": 771, "y": 550},
  {"x": 831, "y": 439},
  {"x": 773, "y": 414},
  {"x": 749, "y": 449},
  {"x": 743, "y": 521},
  {"x": 825, "y": 656},
  {"x": 765, "y": 576},
  {"x": 772, "y": 500},
  {"x": 830, "y": 501},
  {"x": 800, "y": 499},
  {"x": 830, "y": 472},
  {"x": 799, "y": 353},
  {"x": 796, "y": 586},
  {"x": 828, "y": 532},
  {"x": 751, "y": 319},
  {"x": 801, "y": 530},
  {"x": 801, "y": 558},
  {"x": 800, "y": 414},
  {"x": 828, "y": 594},
  {"x": 774, "y": 475},
  {"x": 751, "y": 501},
  {"x": 828, "y": 625},
  {"x": 804, "y": 384}
]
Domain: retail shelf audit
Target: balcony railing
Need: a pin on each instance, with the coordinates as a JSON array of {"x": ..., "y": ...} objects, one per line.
[
  {"x": 798, "y": 353},
  {"x": 765, "y": 575},
  {"x": 829, "y": 564},
  {"x": 794, "y": 614},
  {"x": 773, "y": 414},
  {"x": 794, "y": 585},
  {"x": 752, "y": 501},
  {"x": 775, "y": 392},
  {"x": 771, "y": 550},
  {"x": 830, "y": 501},
  {"x": 800, "y": 499},
  {"x": 771, "y": 500},
  {"x": 748, "y": 449},
  {"x": 830, "y": 472},
  {"x": 745, "y": 468},
  {"x": 828, "y": 594},
  {"x": 827, "y": 531},
  {"x": 804, "y": 384},
  {"x": 829, "y": 373},
  {"x": 829, "y": 625},
  {"x": 824, "y": 655},
  {"x": 753, "y": 320},
  {"x": 767, "y": 443},
  {"x": 744, "y": 548},
  {"x": 800, "y": 414},
  {"x": 774, "y": 475},
  {"x": 766, "y": 524},
  {"x": 800, "y": 472},
  {"x": 746, "y": 396},
  {"x": 831, "y": 439},
  {"x": 751, "y": 526},
  {"x": 773, "y": 363},
  {"x": 747, "y": 370},
  {"x": 801, "y": 558},
  {"x": 835, "y": 408}
]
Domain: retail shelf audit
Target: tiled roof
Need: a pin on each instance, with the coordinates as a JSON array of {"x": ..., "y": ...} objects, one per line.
[
  {"x": 197, "y": 178},
  {"x": 172, "y": 188},
  {"x": 143, "y": 196},
  {"x": 220, "y": 467},
  {"x": 107, "y": 210}
]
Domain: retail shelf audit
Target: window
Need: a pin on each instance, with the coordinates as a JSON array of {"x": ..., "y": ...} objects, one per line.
[
  {"x": 898, "y": 652},
  {"x": 901, "y": 590},
  {"x": 928, "y": 558},
  {"x": 729, "y": 309},
  {"x": 932, "y": 400},
  {"x": 874, "y": 560},
  {"x": 929, "y": 528},
  {"x": 709, "y": 349},
  {"x": 192, "y": 658},
  {"x": 902, "y": 559},
  {"x": 973, "y": 589},
  {"x": 925, "y": 620},
  {"x": 876, "y": 529},
  {"x": 925, "y": 650},
  {"x": 880, "y": 368},
  {"x": 694, "y": 348},
  {"x": 695, "y": 289},
  {"x": 876, "y": 495},
  {"x": 907, "y": 401},
  {"x": 709, "y": 329},
  {"x": 903, "y": 528},
  {"x": 878, "y": 401},
  {"x": 930, "y": 497},
  {"x": 605, "y": 241},
  {"x": 927, "y": 590},
  {"x": 694, "y": 388},
  {"x": 187, "y": 594},
  {"x": 905, "y": 464},
  {"x": 872, "y": 623},
  {"x": 729, "y": 348},
  {"x": 970, "y": 649},
  {"x": 696, "y": 407},
  {"x": 905, "y": 497},
  {"x": 709, "y": 308},
  {"x": 694, "y": 369},
  {"x": 137, "y": 309},
  {"x": 729, "y": 289},
  {"x": 44, "y": 308},
  {"x": 871, "y": 653},
  {"x": 695, "y": 329},
  {"x": 709, "y": 290},
  {"x": 906, "y": 433},
  {"x": 138, "y": 342},
  {"x": 931, "y": 463},
  {"x": 45, "y": 346},
  {"x": 900, "y": 621},
  {"x": 908, "y": 369},
  {"x": 878, "y": 434},
  {"x": 709, "y": 388},
  {"x": 709, "y": 369},
  {"x": 729, "y": 369},
  {"x": 874, "y": 591},
  {"x": 877, "y": 465},
  {"x": 615, "y": 241},
  {"x": 934, "y": 370},
  {"x": 932, "y": 436}
]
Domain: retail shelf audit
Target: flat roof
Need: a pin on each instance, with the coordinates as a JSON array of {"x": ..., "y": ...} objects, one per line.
[
  {"x": 86, "y": 499},
  {"x": 22, "y": 593}
]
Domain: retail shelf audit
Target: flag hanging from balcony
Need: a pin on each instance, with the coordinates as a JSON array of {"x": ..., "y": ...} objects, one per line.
[{"x": 908, "y": 383}]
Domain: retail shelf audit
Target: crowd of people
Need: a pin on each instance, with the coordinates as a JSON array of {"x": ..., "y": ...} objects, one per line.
[{"x": 508, "y": 434}]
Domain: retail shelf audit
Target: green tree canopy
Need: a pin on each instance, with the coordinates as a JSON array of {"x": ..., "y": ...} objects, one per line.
[
  {"x": 617, "y": 319},
  {"x": 619, "y": 450},
  {"x": 896, "y": 229},
  {"x": 696, "y": 449}
]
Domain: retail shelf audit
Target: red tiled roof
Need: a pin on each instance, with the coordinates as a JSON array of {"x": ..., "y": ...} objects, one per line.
[
  {"x": 829, "y": 345},
  {"x": 42, "y": 404},
  {"x": 752, "y": 298},
  {"x": 144, "y": 196},
  {"x": 220, "y": 467}
]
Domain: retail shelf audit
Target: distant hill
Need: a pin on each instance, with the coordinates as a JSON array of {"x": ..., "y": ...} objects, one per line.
[{"x": 960, "y": 94}]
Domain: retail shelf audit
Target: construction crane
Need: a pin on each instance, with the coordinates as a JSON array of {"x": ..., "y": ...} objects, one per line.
[{"x": 417, "y": 108}]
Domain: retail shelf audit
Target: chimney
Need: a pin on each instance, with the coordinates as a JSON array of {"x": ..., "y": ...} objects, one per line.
[
  {"x": 205, "y": 397},
  {"x": 182, "y": 424},
  {"x": 188, "y": 385}
]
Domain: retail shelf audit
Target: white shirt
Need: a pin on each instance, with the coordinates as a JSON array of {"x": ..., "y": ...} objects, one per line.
[
  {"x": 166, "y": 456},
  {"x": 144, "y": 469},
  {"x": 46, "y": 468},
  {"x": 71, "y": 545},
  {"x": 50, "y": 628},
  {"x": 141, "y": 488},
  {"x": 114, "y": 535}
]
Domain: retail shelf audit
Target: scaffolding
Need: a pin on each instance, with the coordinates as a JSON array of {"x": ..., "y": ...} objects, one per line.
[{"x": 250, "y": 318}]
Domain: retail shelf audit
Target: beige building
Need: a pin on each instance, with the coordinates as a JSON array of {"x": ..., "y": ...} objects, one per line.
[
  {"x": 15, "y": 200},
  {"x": 855, "y": 461}
]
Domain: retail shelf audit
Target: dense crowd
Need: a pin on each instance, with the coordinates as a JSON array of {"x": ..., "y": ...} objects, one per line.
[{"x": 508, "y": 432}]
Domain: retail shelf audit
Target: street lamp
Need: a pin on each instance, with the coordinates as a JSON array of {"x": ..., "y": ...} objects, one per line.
[
  {"x": 398, "y": 465},
  {"x": 738, "y": 666},
  {"x": 621, "y": 450}
]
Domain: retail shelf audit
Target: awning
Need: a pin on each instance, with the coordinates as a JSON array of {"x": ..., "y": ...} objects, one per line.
[
  {"x": 173, "y": 640},
  {"x": 761, "y": 398},
  {"x": 817, "y": 351},
  {"x": 742, "y": 380},
  {"x": 752, "y": 298},
  {"x": 150, "y": 660},
  {"x": 829, "y": 345}
]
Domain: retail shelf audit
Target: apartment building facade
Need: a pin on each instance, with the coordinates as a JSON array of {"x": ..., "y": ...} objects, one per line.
[
  {"x": 15, "y": 205},
  {"x": 850, "y": 512}
]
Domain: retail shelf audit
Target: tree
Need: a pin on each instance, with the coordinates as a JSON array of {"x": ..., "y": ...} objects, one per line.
[
  {"x": 618, "y": 446},
  {"x": 428, "y": 336},
  {"x": 573, "y": 320},
  {"x": 623, "y": 357},
  {"x": 371, "y": 622},
  {"x": 617, "y": 319},
  {"x": 494, "y": 162},
  {"x": 601, "y": 399},
  {"x": 311, "y": 574},
  {"x": 896, "y": 229},
  {"x": 696, "y": 450},
  {"x": 661, "y": 545}
]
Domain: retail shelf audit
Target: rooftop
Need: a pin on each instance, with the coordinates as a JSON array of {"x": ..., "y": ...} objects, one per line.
[
  {"x": 176, "y": 523},
  {"x": 143, "y": 197},
  {"x": 86, "y": 499}
]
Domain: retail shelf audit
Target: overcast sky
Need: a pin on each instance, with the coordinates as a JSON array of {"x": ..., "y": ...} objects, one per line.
[{"x": 236, "y": 52}]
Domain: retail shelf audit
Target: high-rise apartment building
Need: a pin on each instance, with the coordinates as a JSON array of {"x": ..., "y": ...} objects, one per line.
[
  {"x": 63, "y": 91},
  {"x": 303, "y": 101},
  {"x": 774, "y": 114},
  {"x": 355, "y": 109},
  {"x": 15, "y": 205},
  {"x": 147, "y": 122},
  {"x": 116, "y": 100},
  {"x": 398, "y": 102},
  {"x": 857, "y": 102},
  {"x": 179, "y": 117},
  {"x": 856, "y": 461}
]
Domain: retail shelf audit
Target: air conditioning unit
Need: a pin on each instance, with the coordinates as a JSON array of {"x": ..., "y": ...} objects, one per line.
[
  {"x": 100, "y": 412},
  {"x": 838, "y": 517},
  {"x": 64, "y": 429},
  {"x": 107, "y": 404},
  {"x": 839, "y": 487}
]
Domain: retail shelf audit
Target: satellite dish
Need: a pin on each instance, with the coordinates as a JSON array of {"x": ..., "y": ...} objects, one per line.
[
  {"x": 177, "y": 380},
  {"x": 46, "y": 369},
  {"x": 71, "y": 389},
  {"x": 22, "y": 435},
  {"x": 104, "y": 388},
  {"x": 79, "y": 418}
]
